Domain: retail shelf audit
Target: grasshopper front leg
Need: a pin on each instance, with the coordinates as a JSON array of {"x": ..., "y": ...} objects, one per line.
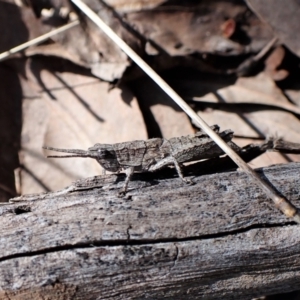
[{"x": 129, "y": 171}]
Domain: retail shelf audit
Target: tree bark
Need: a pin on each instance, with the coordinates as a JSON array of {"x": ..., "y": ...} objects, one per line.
[{"x": 217, "y": 239}]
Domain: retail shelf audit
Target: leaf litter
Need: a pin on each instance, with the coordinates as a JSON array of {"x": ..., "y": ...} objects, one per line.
[{"x": 70, "y": 97}]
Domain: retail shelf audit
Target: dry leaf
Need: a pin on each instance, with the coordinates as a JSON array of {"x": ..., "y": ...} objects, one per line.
[
  {"x": 259, "y": 90},
  {"x": 272, "y": 63},
  {"x": 162, "y": 116},
  {"x": 283, "y": 17},
  {"x": 255, "y": 123},
  {"x": 200, "y": 28},
  {"x": 294, "y": 95},
  {"x": 87, "y": 47},
  {"x": 72, "y": 111}
]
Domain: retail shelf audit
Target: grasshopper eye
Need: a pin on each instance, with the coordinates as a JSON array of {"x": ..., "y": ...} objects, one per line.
[
  {"x": 105, "y": 154},
  {"x": 102, "y": 153}
]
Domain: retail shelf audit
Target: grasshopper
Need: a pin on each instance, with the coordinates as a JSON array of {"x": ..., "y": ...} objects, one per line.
[{"x": 152, "y": 154}]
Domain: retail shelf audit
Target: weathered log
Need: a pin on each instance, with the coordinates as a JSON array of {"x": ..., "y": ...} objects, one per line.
[{"x": 217, "y": 239}]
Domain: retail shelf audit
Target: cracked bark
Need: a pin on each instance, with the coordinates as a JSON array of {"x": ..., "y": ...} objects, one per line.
[{"x": 219, "y": 238}]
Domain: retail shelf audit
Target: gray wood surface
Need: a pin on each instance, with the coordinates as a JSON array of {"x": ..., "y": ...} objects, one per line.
[{"x": 217, "y": 239}]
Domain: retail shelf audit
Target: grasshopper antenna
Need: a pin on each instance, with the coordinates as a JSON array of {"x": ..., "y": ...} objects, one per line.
[{"x": 75, "y": 152}]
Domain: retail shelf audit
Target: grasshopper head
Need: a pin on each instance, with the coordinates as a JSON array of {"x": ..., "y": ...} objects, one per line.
[
  {"x": 103, "y": 153},
  {"x": 106, "y": 156}
]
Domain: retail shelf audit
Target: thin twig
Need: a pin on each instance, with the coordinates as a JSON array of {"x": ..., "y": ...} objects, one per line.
[
  {"x": 280, "y": 202},
  {"x": 37, "y": 40},
  {"x": 247, "y": 66},
  {"x": 265, "y": 49}
]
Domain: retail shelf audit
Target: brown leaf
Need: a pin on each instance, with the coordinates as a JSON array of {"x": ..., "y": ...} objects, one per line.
[
  {"x": 162, "y": 116},
  {"x": 72, "y": 111},
  {"x": 228, "y": 28},
  {"x": 85, "y": 46},
  {"x": 255, "y": 123},
  {"x": 272, "y": 63},
  {"x": 260, "y": 90},
  {"x": 200, "y": 28},
  {"x": 283, "y": 17}
]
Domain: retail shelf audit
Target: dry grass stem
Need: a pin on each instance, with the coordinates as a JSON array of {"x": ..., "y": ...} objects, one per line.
[{"x": 37, "y": 40}]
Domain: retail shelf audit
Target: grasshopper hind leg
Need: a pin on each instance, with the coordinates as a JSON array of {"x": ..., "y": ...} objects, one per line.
[
  {"x": 170, "y": 160},
  {"x": 180, "y": 173}
]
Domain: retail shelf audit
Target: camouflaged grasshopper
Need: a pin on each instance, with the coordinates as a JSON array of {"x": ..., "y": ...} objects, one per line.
[{"x": 153, "y": 154}]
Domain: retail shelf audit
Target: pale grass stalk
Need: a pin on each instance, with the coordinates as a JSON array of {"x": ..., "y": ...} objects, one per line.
[{"x": 37, "y": 40}]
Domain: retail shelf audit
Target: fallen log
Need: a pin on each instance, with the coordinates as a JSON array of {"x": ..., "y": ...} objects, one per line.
[{"x": 220, "y": 238}]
